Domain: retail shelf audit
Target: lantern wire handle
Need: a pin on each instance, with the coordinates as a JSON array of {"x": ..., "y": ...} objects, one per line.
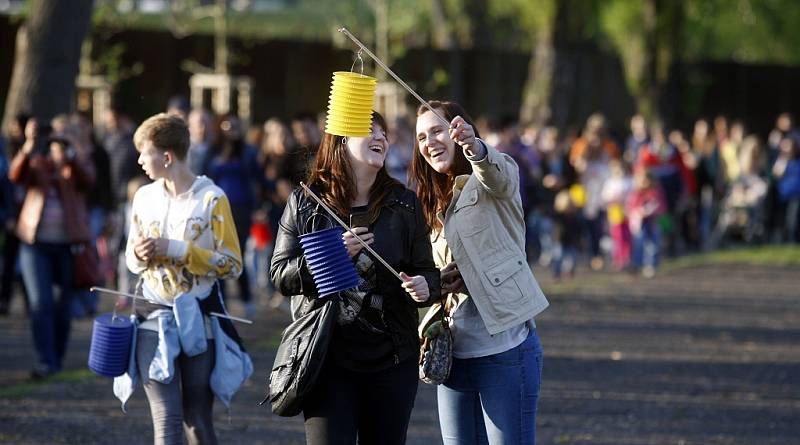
[
  {"x": 396, "y": 77},
  {"x": 358, "y": 59}
]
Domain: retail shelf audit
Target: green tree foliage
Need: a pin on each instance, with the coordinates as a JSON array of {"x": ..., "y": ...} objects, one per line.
[{"x": 746, "y": 31}]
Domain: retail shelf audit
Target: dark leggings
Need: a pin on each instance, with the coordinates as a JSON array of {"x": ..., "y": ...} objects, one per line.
[
  {"x": 373, "y": 406},
  {"x": 184, "y": 405}
]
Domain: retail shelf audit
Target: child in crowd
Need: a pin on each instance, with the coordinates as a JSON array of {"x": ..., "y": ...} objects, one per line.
[
  {"x": 567, "y": 235},
  {"x": 615, "y": 192},
  {"x": 644, "y": 205}
]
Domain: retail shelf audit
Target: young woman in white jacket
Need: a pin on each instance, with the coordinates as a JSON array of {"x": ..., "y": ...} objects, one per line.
[{"x": 470, "y": 197}]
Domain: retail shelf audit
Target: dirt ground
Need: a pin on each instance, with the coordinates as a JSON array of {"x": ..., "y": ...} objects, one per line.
[{"x": 707, "y": 355}]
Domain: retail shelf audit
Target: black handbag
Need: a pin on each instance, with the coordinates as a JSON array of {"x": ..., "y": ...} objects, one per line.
[{"x": 302, "y": 351}]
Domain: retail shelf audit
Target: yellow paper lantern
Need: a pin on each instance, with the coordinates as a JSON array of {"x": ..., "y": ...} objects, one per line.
[{"x": 350, "y": 104}]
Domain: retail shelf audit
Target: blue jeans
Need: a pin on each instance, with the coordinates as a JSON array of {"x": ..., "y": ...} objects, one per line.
[
  {"x": 492, "y": 399},
  {"x": 647, "y": 244},
  {"x": 43, "y": 266}
]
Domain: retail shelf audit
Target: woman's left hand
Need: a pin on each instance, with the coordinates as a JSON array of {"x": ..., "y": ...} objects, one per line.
[
  {"x": 463, "y": 133},
  {"x": 416, "y": 286}
]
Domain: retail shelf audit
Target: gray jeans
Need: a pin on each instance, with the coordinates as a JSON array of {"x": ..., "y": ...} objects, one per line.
[{"x": 185, "y": 404}]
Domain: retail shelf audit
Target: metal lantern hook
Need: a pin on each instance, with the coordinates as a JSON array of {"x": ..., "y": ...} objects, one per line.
[{"x": 358, "y": 59}]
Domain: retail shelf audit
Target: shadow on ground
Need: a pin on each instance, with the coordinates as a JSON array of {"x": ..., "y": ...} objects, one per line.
[{"x": 706, "y": 355}]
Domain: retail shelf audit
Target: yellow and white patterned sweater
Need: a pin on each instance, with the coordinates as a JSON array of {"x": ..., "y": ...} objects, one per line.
[{"x": 203, "y": 245}]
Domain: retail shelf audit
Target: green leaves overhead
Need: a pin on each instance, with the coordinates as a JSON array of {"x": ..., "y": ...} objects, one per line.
[{"x": 749, "y": 31}]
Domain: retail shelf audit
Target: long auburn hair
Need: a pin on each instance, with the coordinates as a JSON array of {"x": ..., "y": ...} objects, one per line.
[
  {"x": 332, "y": 174},
  {"x": 434, "y": 189}
]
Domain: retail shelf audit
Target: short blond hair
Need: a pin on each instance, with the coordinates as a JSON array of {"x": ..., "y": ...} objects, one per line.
[{"x": 166, "y": 132}]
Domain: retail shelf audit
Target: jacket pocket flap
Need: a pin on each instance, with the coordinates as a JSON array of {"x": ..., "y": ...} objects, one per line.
[
  {"x": 467, "y": 199},
  {"x": 500, "y": 273}
]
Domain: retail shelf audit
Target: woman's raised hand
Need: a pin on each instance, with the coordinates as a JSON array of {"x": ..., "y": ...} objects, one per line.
[
  {"x": 462, "y": 133},
  {"x": 416, "y": 286},
  {"x": 352, "y": 244}
]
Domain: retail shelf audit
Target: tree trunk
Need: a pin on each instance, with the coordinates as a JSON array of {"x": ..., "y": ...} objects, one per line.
[
  {"x": 48, "y": 50},
  {"x": 441, "y": 35},
  {"x": 538, "y": 88},
  {"x": 647, "y": 99}
]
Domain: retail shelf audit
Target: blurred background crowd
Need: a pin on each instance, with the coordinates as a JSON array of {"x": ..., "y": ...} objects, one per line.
[
  {"x": 617, "y": 202},
  {"x": 643, "y": 129}
]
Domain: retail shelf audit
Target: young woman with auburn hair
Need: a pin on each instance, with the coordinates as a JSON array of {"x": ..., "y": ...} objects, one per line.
[{"x": 368, "y": 382}]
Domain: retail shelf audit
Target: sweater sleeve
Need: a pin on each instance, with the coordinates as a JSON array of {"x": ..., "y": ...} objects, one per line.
[{"x": 224, "y": 260}]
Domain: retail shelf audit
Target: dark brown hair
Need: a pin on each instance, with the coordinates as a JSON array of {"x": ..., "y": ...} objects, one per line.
[
  {"x": 434, "y": 189},
  {"x": 333, "y": 175}
]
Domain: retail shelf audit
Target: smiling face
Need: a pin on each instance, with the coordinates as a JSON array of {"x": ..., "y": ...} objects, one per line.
[
  {"x": 368, "y": 151},
  {"x": 434, "y": 142}
]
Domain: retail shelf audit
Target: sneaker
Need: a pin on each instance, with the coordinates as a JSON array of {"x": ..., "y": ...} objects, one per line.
[
  {"x": 596, "y": 263},
  {"x": 648, "y": 271},
  {"x": 41, "y": 372}
]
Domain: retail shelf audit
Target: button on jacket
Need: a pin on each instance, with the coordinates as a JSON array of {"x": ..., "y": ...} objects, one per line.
[{"x": 485, "y": 230}]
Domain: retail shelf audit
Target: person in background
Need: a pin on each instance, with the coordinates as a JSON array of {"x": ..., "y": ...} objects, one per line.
[
  {"x": 663, "y": 161},
  {"x": 705, "y": 149},
  {"x": 366, "y": 387},
  {"x": 178, "y": 105},
  {"x": 774, "y": 220},
  {"x": 787, "y": 172},
  {"x": 589, "y": 156},
  {"x": 741, "y": 211},
  {"x": 615, "y": 193},
  {"x": 566, "y": 234},
  {"x": 645, "y": 204},
  {"x": 14, "y": 195},
  {"x": 55, "y": 177},
  {"x": 400, "y": 149},
  {"x": 637, "y": 139},
  {"x": 99, "y": 205},
  {"x": 234, "y": 169},
  {"x": 470, "y": 196},
  {"x": 306, "y": 135},
  {"x": 275, "y": 159},
  {"x": 530, "y": 171},
  {"x": 201, "y": 137}
]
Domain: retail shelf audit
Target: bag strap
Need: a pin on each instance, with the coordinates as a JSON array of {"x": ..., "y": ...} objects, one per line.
[{"x": 448, "y": 305}]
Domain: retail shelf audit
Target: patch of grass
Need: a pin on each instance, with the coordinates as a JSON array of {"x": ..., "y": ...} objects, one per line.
[
  {"x": 758, "y": 256},
  {"x": 22, "y": 389}
]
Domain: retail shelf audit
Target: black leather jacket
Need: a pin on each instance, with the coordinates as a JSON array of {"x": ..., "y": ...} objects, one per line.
[{"x": 401, "y": 238}]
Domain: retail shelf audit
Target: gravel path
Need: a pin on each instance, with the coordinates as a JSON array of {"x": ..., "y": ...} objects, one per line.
[{"x": 695, "y": 356}]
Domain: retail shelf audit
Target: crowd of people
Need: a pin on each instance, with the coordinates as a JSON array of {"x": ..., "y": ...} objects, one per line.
[
  {"x": 611, "y": 203},
  {"x": 624, "y": 203},
  {"x": 190, "y": 198}
]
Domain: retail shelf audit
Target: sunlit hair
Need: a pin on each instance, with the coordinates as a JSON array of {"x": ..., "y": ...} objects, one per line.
[
  {"x": 167, "y": 132},
  {"x": 434, "y": 189},
  {"x": 332, "y": 174}
]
